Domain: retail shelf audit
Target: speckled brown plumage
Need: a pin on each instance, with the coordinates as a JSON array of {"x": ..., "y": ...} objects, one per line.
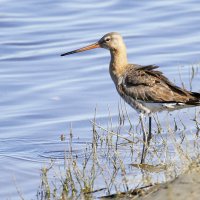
[{"x": 146, "y": 84}]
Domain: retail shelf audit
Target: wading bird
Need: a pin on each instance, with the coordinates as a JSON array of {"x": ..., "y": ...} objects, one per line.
[{"x": 143, "y": 87}]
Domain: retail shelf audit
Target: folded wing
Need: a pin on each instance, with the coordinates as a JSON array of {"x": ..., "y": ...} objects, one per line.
[{"x": 147, "y": 84}]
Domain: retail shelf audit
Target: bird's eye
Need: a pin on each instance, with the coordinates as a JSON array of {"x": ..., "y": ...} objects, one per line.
[{"x": 107, "y": 39}]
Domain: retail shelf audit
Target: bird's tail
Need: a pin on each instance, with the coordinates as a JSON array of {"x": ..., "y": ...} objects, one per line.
[{"x": 196, "y": 99}]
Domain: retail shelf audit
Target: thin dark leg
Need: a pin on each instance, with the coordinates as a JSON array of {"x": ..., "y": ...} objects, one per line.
[
  {"x": 144, "y": 149},
  {"x": 150, "y": 134},
  {"x": 146, "y": 141}
]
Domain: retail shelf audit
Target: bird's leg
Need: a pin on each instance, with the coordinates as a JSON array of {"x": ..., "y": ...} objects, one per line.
[
  {"x": 150, "y": 134},
  {"x": 144, "y": 149},
  {"x": 146, "y": 138}
]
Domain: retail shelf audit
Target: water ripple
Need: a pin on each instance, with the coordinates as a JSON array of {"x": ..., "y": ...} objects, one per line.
[{"x": 42, "y": 93}]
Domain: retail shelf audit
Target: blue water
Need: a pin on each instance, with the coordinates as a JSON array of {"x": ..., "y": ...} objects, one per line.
[{"x": 43, "y": 93}]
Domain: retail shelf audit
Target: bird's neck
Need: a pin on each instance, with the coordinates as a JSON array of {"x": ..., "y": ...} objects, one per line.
[{"x": 118, "y": 63}]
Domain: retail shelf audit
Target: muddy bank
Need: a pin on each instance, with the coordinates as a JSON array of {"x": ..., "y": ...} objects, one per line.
[{"x": 186, "y": 186}]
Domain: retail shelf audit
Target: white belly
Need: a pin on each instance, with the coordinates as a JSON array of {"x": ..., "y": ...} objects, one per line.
[
  {"x": 158, "y": 107},
  {"x": 148, "y": 108}
]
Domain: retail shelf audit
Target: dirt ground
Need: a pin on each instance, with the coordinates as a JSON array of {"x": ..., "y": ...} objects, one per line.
[{"x": 185, "y": 187}]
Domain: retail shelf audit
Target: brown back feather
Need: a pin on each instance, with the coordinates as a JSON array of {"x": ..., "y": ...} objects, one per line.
[{"x": 145, "y": 83}]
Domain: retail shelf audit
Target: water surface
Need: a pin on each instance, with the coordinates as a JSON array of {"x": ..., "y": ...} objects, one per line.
[{"x": 43, "y": 93}]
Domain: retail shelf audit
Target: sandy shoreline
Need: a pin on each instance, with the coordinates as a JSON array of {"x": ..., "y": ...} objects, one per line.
[{"x": 184, "y": 187}]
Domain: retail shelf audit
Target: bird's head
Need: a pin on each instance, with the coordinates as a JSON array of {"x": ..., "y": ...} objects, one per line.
[{"x": 111, "y": 41}]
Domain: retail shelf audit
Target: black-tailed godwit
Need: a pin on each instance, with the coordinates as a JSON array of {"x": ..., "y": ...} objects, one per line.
[{"x": 143, "y": 87}]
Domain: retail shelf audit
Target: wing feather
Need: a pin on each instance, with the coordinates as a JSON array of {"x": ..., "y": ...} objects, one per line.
[{"x": 146, "y": 84}]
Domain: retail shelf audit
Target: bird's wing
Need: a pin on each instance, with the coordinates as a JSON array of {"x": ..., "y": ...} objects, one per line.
[{"x": 146, "y": 84}]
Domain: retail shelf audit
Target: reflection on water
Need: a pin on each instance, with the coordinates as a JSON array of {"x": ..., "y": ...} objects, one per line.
[{"x": 42, "y": 93}]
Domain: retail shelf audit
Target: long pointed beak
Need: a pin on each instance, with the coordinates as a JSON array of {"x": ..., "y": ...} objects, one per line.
[{"x": 92, "y": 46}]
